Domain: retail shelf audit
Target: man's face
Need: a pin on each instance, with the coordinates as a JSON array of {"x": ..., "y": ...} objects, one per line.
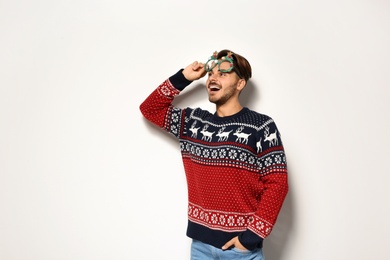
[{"x": 222, "y": 86}]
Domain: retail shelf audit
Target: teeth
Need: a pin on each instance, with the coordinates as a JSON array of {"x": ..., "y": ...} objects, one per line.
[{"x": 214, "y": 88}]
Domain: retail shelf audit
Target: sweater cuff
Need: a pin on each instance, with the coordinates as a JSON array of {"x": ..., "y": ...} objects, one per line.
[
  {"x": 250, "y": 240},
  {"x": 179, "y": 81}
]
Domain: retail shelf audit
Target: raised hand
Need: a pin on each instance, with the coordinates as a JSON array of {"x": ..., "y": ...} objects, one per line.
[{"x": 194, "y": 71}]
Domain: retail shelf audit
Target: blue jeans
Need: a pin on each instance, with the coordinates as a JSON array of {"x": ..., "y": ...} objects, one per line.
[{"x": 202, "y": 251}]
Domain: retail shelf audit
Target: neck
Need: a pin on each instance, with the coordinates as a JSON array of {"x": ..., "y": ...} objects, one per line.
[{"x": 228, "y": 109}]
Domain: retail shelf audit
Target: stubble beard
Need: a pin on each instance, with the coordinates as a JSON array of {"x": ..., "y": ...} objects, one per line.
[{"x": 223, "y": 99}]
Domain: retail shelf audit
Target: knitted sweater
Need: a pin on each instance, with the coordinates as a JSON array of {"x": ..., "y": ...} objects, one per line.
[{"x": 235, "y": 167}]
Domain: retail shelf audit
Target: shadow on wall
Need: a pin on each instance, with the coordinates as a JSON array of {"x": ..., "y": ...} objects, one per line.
[
  {"x": 250, "y": 96},
  {"x": 276, "y": 244}
]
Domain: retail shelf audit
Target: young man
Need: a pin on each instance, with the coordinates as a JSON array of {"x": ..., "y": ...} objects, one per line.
[{"x": 233, "y": 159}]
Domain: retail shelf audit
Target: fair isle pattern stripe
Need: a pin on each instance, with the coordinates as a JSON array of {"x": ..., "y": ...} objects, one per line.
[
  {"x": 228, "y": 221},
  {"x": 229, "y": 155},
  {"x": 168, "y": 91},
  {"x": 220, "y": 155},
  {"x": 174, "y": 120},
  {"x": 225, "y": 221}
]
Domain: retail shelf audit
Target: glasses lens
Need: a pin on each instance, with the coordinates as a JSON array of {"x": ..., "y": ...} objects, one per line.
[
  {"x": 210, "y": 64},
  {"x": 225, "y": 66}
]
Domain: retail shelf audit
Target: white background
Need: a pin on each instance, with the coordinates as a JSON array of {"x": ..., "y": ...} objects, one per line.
[{"x": 84, "y": 176}]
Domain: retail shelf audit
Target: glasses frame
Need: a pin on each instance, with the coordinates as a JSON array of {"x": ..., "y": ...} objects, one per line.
[
  {"x": 228, "y": 58},
  {"x": 216, "y": 61}
]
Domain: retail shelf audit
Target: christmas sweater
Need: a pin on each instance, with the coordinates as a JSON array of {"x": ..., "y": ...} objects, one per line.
[{"x": 235, "y": 167}]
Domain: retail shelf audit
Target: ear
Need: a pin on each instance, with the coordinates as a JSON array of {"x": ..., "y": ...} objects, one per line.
[{"x": 241, "y": 84}]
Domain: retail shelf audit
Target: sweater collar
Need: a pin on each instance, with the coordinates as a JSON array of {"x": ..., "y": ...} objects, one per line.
[{"x": 226, "y": 118}]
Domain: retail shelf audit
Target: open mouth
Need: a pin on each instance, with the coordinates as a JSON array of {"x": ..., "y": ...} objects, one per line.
[{"x": 214, "y": 88}]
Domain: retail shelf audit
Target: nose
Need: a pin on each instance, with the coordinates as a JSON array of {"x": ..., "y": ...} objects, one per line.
[
  {"x": 212, "y": 76},
  {"x": 212, "y": 80}
]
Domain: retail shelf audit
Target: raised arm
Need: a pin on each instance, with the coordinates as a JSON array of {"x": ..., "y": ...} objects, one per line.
[{"x": 158, "y": 108}]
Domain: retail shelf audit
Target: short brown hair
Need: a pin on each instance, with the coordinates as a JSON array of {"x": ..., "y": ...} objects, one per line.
[{"x": 240, "y": 65}]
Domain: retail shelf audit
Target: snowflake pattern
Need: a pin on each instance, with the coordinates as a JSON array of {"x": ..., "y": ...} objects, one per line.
[
  {"x": 268, "y": 161},
  {"x": 243, "y": 157},
  {"x": 175, "y": 118},
  {"x": 240, "y": 221},
  {"x": 278, "y": 159},
  {"x": 231, "y": 221},
  {"x": 260, "y": 227},
  {"x": 233, "y": 154},
  {"x": 222, "y": 153},
  {"x": 174, "y": 130},
  {"x": 214, "y": 219}
]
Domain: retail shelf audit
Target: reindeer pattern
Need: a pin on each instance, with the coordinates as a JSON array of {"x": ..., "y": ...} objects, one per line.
[
  {"x": 207, "y": 136},
  {"x": 259, "y": 139},
  {"x": 241, "y": 137},
  {"x": 194, "y": 130},
  {"x": 223, "y": 136}
]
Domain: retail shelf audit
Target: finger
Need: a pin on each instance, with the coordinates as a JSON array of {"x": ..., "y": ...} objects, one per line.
[
  {"x": 228, "y": 244},
  {"x": 201, "y": 68},
  {"x": 195, "y": 65}
]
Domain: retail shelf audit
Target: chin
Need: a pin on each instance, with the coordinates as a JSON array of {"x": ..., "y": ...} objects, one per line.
[{"x": 212, "y": 100}]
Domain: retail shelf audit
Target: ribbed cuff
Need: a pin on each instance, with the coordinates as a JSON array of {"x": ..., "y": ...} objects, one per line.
[{"x": 179, "y": 81}]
